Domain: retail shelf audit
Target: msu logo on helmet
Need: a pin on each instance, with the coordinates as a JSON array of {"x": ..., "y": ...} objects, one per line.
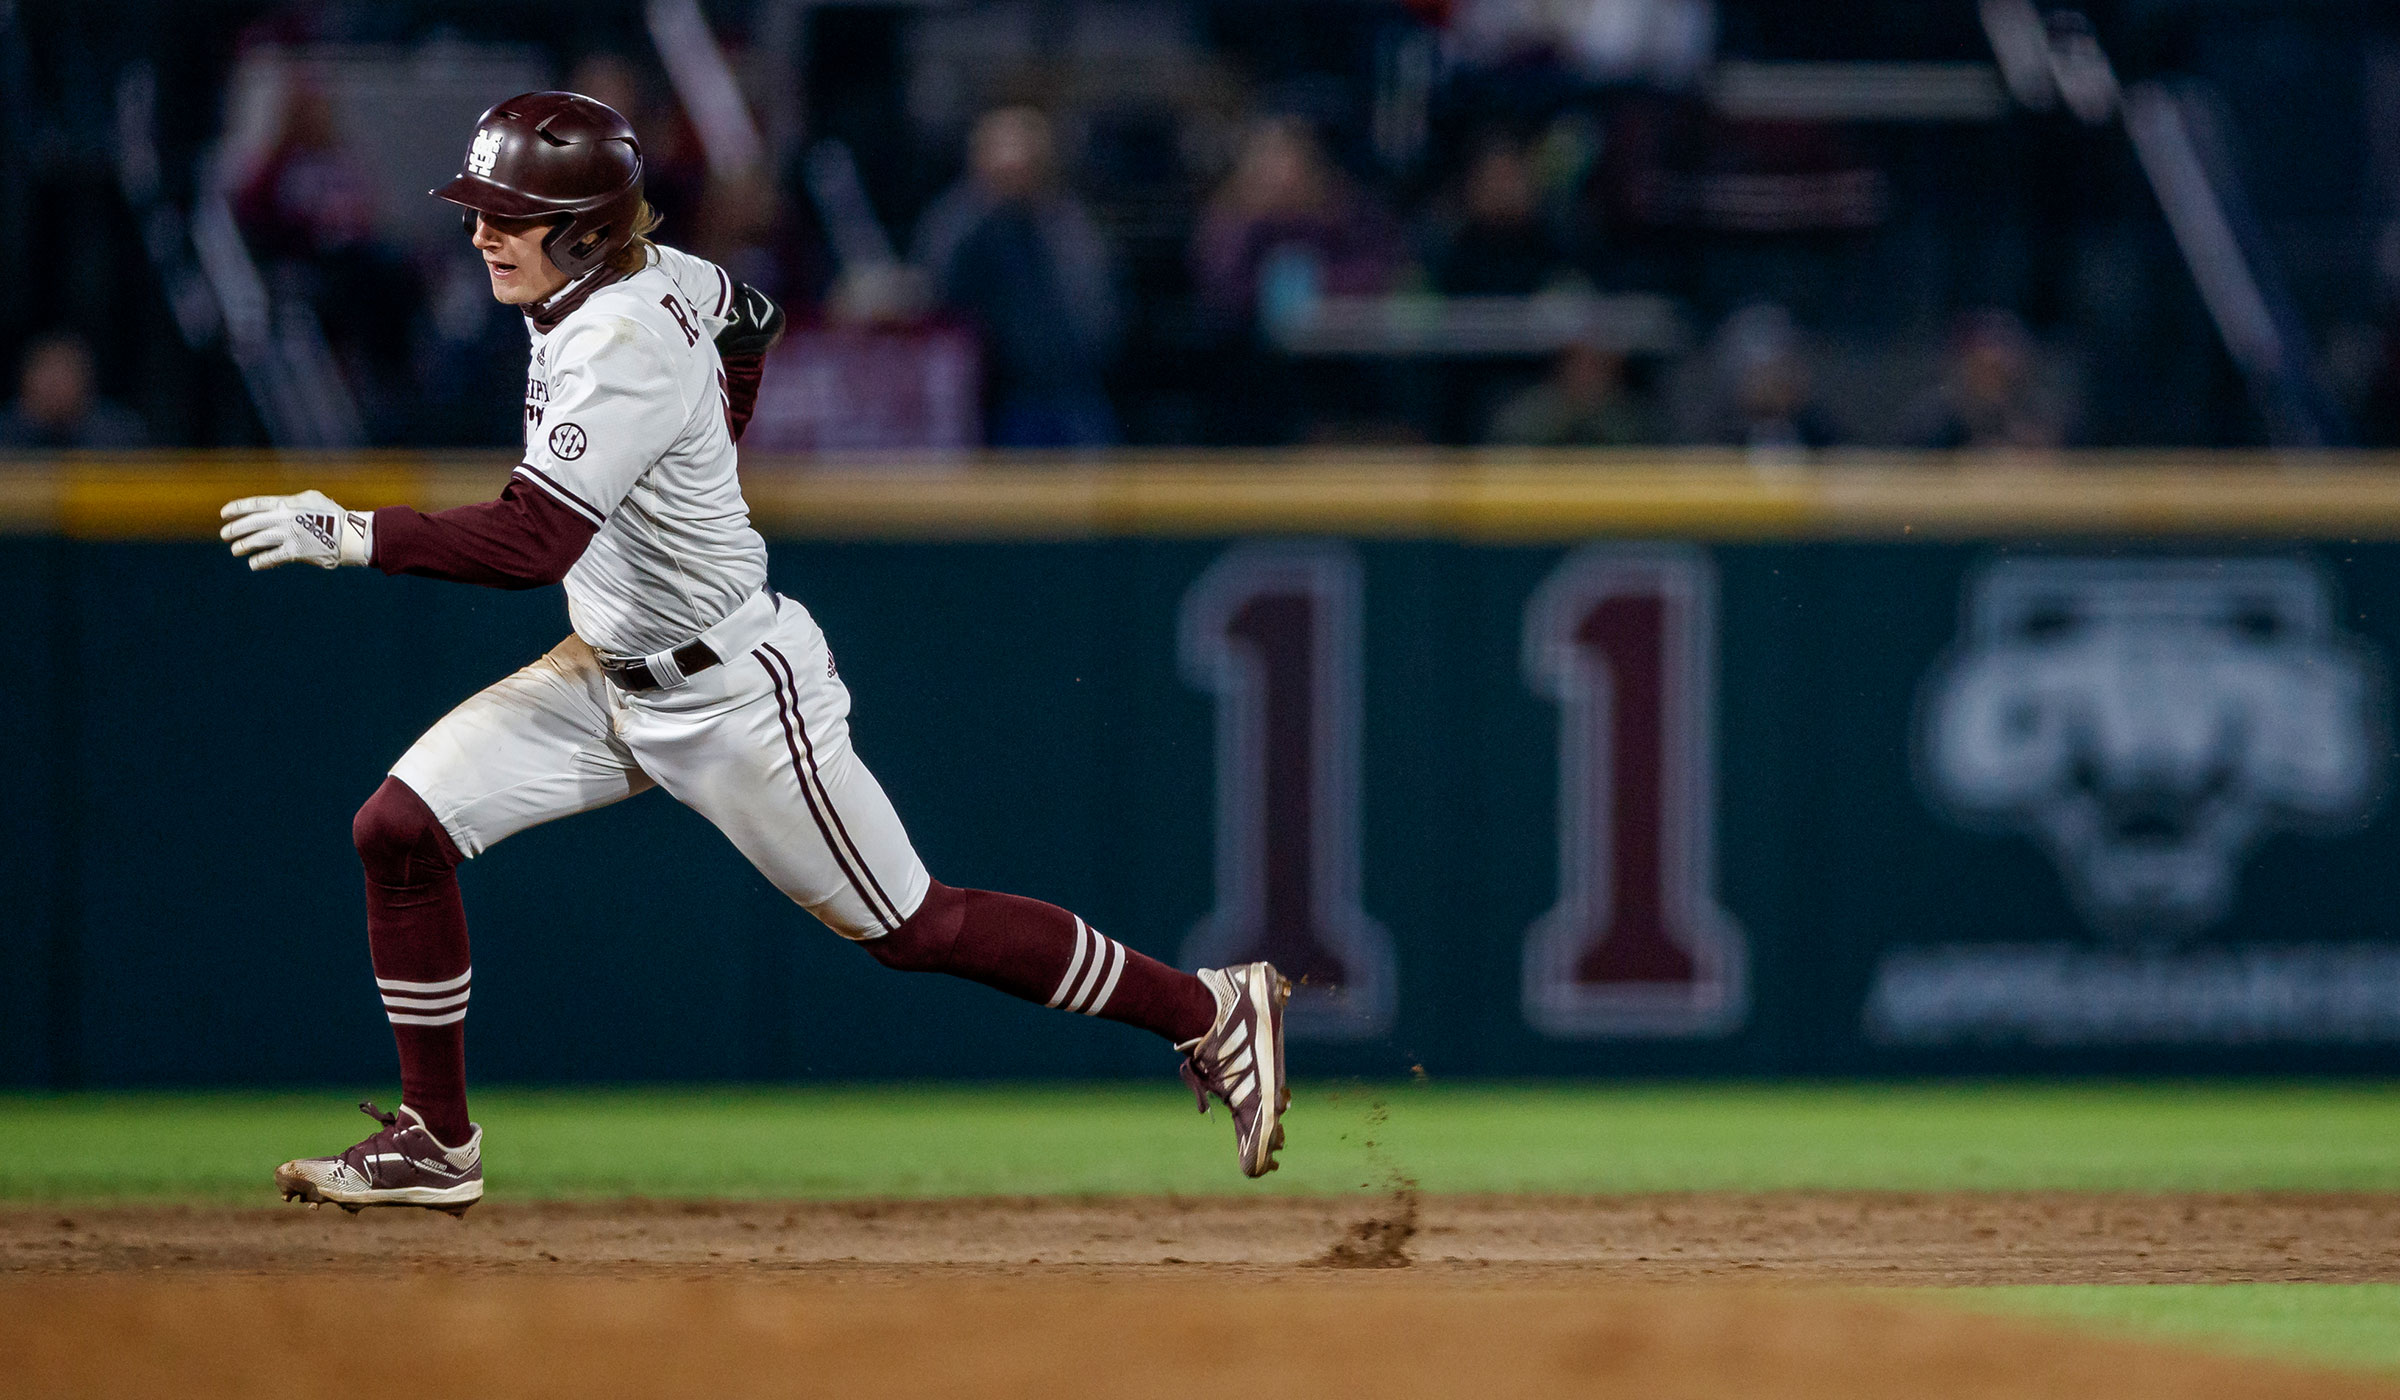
[{"x": 485, "y": 153}]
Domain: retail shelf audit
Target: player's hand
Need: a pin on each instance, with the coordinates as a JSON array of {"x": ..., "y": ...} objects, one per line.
[
  {"x": 271, "y": 531},
  {"x": 753, "y": 325}
]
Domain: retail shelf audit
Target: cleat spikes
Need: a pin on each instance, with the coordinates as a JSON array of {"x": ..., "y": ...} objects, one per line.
[{"x": 400, "y": 1164}]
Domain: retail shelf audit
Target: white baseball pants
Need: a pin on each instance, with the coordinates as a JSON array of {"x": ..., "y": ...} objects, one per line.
[{"x": 759, "y": 745}]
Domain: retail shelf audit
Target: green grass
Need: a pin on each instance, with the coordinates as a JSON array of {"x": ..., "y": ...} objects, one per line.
[
  {"x": 916, "y": 1141},
  {"x": 912, "y": 1141},
  {"x": 2336, "y": 1324}
]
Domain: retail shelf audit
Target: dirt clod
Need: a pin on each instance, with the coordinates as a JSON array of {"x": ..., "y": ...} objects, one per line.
[{"x": 1380, "y": 1241}]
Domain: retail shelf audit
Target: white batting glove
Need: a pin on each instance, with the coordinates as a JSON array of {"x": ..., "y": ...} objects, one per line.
[{"x": 309, "y": 528}]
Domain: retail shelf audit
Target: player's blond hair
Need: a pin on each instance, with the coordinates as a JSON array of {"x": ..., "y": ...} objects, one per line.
[{"x": 635, "y": 255}]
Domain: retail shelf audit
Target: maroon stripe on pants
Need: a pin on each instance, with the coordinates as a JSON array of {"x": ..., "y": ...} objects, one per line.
[
  {"x": 893, "y": 910},
  {"x": 452, "y": 995},
  {"x": 786, "y": 713}
]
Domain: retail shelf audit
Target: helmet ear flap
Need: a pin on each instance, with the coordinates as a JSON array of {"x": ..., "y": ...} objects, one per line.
[
  {"x": 592, "y": 239},
  {"x": 589, "y": 239},
  {"x": 566, "y": 257}
]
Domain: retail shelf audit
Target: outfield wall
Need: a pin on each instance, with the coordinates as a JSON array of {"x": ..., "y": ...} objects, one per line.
[{"x": 1535, "y": 765}]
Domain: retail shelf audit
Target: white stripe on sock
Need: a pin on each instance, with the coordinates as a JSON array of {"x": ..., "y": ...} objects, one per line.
[
  {"x": 391, "y": 984},
  {"x": 1082, "y": 994},
  {"x": 1116, "y": 969},
  {"x": 1073, "y": 967},
  {"x": 447, "y": 1019}
]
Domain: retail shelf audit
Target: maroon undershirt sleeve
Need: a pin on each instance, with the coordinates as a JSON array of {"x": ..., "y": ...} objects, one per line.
[
  {"x": 526, "y": 539},
  {"x": 742, "y": 374}
]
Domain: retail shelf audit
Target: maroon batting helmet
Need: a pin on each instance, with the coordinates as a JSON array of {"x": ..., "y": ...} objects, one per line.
[{"x": 556, "y": 155}]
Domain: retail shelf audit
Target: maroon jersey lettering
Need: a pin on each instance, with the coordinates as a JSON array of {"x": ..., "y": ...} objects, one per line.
[{"x": 691, "y": 333}]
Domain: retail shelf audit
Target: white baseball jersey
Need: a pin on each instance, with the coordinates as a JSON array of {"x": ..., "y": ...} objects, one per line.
[{"x": 625, "y": 424}]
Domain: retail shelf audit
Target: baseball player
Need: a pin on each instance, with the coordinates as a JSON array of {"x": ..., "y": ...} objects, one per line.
[{"x": 684, "y": 671}]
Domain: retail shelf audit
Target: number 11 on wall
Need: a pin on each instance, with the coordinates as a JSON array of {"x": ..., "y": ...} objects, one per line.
[
  {"x": 1272, "y": 631},
  {"x": 1622, "y": 639}
]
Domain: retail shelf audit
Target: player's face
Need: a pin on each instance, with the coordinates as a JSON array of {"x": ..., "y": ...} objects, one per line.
[{"x": 512, "y": 254}]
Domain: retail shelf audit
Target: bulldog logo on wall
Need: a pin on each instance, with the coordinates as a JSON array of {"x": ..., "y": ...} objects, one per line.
[{"x": 2148, "y": 722}]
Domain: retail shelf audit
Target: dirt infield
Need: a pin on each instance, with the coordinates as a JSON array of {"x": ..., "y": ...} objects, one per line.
[
  {"x": 1390, "y": 1335},
  {"x": 1653, "y": 1296},
  {"x": 1867, "y": 1237}
]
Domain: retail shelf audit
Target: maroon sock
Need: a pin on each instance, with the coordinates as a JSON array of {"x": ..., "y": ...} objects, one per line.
[
  {"x": 417, "y": 934},
  {"x": 1043, "y": 953}
]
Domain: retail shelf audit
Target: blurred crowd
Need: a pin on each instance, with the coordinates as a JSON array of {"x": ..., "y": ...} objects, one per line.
[
  {"x": 57, "y": 406},
  {"x": 1142, "y": 237}
]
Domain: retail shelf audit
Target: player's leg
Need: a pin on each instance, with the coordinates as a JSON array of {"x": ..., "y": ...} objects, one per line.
[
  {"x": 761, "y": 747},
  {"x": 417, "y": 939},
  {"x": 1228, "y": 1021},
  {"x": 535, "y": 746}
]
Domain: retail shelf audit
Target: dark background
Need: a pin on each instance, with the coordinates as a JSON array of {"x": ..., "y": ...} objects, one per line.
[
  {"x": 2031, "y": 213},
  {"x": 179, "y": 904}
]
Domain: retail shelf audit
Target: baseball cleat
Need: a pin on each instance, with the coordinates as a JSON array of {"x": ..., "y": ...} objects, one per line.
[
  {"x": 401, "y": 1165},
  {"x": 1240, "y": 1060}
]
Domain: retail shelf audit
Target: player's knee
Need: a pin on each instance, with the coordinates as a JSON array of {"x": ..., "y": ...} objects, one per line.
[
  {"x": 922, "y": 943},
  {"x": 399, "y": 839}
]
